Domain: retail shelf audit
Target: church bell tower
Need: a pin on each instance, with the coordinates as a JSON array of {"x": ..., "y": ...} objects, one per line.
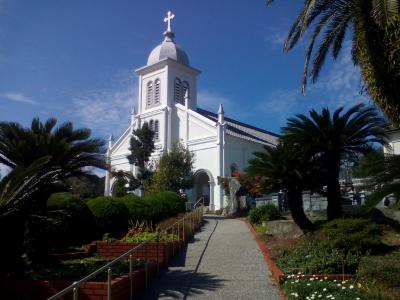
[{"x": 163, "y": 83}]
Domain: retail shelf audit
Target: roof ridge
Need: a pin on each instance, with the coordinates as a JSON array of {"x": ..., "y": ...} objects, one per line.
[{"x": 241, "y": 123}]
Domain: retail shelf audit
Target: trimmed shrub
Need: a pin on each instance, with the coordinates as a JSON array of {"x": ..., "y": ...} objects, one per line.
[
  {"x": 75, "y": 224},
  {"x": 312, "y": 257},
  {"x": 175, "y": 201},
  {"x": 266, "y": 212},
  {"x": 153, "y": 207},
  {"x": 111, "y": 215},
  {"x": 381, "y": 272},
  {"x": 356, "y": 235},
  {"x": 139, "y": 208}
]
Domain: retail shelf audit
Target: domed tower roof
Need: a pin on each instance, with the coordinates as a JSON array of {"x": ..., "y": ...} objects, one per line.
[{"x": 168, "y": 48}]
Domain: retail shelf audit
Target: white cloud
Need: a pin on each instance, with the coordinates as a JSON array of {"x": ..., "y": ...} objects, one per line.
[
  {"x": 107, "y": 110},
  {"x": 275, "y": 36},
  {"x": 339, "y": 86},
  {"x": 342, "y": 84},
  {"x": 17, "y": 97}
]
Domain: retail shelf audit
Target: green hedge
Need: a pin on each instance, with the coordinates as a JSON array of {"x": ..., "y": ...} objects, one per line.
[
  {"x": 266, "y": 212},
  {"x": 111, "y": 215},
  {"x": 356, "y": 235},
  {"x": 153, "y": 207},
  {"x": 75, "y": 223}
]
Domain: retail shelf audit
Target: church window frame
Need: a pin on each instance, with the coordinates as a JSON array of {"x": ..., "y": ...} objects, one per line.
[
  {"x": 185, "y": 87},
  {"x": 156, "y": 130},
  {"x": 178, "y": 97},
  {"x": 157, "y": 91},
  {"x": 149, "y": 93},
  {"x": 151, "y": 125}
]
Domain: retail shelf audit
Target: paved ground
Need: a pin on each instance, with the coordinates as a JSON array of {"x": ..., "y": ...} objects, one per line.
[{"x": 222, "y": 262}]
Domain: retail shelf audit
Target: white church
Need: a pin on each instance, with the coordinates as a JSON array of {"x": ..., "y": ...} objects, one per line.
[{"x": 168, "y": 103}]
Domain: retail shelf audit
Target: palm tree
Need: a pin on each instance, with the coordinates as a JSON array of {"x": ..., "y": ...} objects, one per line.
[
  {"x": 376, "y": 43},
  {"x": 70, "y": 149},
  {"x": 40, "y": 158},
  {"x": 332, "y": 137},
  {"x": 286, "y": 168}
]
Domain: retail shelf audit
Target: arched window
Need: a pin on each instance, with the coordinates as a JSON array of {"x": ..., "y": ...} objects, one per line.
[
  {"x": 178, "y": 91},
  {"x": 156, "y": 130},
  {"x": 151, "y": 125},
  {"x": 185, "y": 87},
  {"x": 149, "y": 95},
  {"x": 156, "y": 91}
]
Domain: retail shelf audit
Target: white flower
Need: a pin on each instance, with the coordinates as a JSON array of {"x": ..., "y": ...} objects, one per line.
[
  {"x": 351, "y": 287},
  {"x": 325, "y": 278},
  {"x": 338, "y": 284},
  {"x": 343, "y": 287},
  {"x": 308, "y": 284},
  {"x": 324, "y": 289}
]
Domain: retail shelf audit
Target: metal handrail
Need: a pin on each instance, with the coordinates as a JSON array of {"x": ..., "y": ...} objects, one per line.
[
  {"x": 201, "y": 199},
  {"x": 197, "y": 213}
]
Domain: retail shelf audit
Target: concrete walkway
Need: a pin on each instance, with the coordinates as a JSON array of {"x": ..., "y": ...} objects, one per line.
[{"x": 222, "y": 262}]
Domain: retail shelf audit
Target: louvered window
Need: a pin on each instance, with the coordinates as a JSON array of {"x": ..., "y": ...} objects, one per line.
[
  {"x": 149, "y": 96},
  {"x": 185, "y": 87},
  {"x": 156, "y": 91},
  {"x": 151, "y": 125},
  {"x": 178, "y": 91},
  {"x": 156, "y": 130}
]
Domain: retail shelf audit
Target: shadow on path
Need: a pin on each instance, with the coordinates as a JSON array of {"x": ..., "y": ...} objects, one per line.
[{"x": 181, "y": 283}]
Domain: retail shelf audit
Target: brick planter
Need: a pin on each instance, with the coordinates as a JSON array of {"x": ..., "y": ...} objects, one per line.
[
  {"x": 152, "y": 251},
  {"x": 42, "y": 289}
]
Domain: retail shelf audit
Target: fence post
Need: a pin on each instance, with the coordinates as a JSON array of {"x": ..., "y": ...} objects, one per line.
[
  {"x": 75, "y": 292},
  {"x": 183, "y": 229},
  {"x": 146, "y": 263},
  {"x": 158, "y": 244},
  {"x": 109, "y": 284},
  {"x": 130, "y": 278}
]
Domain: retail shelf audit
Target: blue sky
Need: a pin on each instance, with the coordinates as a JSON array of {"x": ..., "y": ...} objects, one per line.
[{"x": 75, "y": 60}]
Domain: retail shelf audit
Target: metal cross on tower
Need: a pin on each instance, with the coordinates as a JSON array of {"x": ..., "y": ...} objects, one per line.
[{"x": 168, "y": 19}]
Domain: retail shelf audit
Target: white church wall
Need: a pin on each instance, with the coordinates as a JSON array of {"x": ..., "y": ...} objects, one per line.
[
  {"x": 239, "y": 151},
  {"x": 205, "y": 158}
]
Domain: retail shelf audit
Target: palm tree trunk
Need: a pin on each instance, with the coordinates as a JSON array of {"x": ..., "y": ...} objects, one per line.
[
  {"x": 334, "y": 209},
  {"x": 295, "y": 201}
]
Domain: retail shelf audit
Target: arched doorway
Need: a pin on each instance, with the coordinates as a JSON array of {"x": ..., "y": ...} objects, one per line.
[{"x": 202, "y": 186}]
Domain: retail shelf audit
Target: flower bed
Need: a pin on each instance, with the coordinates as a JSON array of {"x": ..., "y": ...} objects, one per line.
[
  {"x": 42, "y": 289},
  {"x": 316, "y": 287},
  {"x": 312, "y": 258}
]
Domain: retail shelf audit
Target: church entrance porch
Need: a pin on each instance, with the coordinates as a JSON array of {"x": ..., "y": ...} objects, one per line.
[{"x": 203, "y": 187}]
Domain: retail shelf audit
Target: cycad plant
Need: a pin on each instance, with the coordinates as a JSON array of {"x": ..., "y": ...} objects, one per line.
[
  {"x": 375, "y": 30},
  {"x": 285, "y": 167},
  {"x": 68, "y": 148},
  {"x": 330, "y": 137}
]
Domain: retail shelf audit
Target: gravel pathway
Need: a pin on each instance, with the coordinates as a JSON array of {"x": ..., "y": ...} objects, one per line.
[{"x": 222, "y": 262}]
